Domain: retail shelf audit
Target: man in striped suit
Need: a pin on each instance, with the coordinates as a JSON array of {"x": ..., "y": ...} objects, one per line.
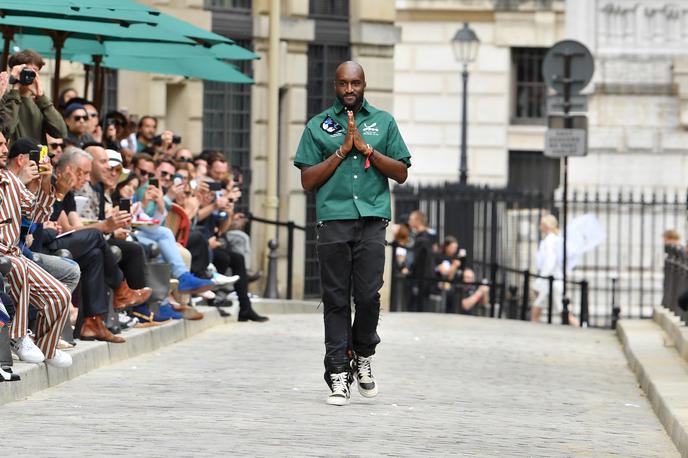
[{"x": 27, "y": 281}]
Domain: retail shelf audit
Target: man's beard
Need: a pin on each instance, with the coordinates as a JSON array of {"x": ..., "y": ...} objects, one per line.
[{"x": 353, "y": 106}]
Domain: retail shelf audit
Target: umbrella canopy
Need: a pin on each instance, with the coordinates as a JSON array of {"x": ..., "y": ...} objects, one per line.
[
  {"x": 191, "y": 67},
  {"x": 122, "y": 34}
]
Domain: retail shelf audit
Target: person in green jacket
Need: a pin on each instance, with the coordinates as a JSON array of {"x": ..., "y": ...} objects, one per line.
[{"x": 31, "y": 113}]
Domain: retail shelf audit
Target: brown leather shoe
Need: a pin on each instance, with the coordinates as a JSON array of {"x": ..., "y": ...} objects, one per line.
[
  {"x": 189, "y": 313},
  {"x": 126, "y": 297},
  {"x": 93, "y": 328}
]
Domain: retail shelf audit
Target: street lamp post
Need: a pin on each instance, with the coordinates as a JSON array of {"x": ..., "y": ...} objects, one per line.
[{"x": 465, "y": 44}]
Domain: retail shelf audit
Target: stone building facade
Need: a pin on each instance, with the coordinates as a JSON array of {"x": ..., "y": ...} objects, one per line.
[{"x": 506, "y": 119}]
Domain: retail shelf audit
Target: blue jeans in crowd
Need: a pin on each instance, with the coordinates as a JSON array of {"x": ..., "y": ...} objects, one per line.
[{"x": 168, "y": 246}]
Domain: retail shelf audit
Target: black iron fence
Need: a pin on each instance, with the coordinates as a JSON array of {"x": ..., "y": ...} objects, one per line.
[
  {"x": 499, "y": 230},
  {"x": 675, "y": 296}
]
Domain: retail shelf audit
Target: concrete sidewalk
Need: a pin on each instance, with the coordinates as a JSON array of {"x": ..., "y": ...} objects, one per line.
[
  {"x": 450, "y": 385},
  {"x": 88, "y": 356},
  {"x": 657, "y": 350}
]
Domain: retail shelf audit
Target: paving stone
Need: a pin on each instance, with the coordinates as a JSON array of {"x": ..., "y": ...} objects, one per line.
[{"x": 449, "y": 385}]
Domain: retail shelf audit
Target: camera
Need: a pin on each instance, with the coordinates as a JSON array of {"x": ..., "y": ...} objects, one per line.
[
  {"x": 177, "y": 179},
  {"x": 153, "y": 182},
  {"x": 214, "y": 186},
  {"x": 176, "y": 139},
  {"x": 26, "y": 77}
]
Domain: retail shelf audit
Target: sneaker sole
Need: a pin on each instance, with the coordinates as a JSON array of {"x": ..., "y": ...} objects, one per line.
[
  {"x": 366, "y": 393},
  {"x": 196, "y": 291},
  {"x": 337, "y": 401}
]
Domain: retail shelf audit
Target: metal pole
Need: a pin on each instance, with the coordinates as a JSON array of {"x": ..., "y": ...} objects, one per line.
[
  {"x": 550, "y": 299},
  {"x": 87, "y": 77},
  {"x": 290, "y": 257},
  {"x": 568, "y": 125},
  {"x": 526, "y": 291},
  {"x": 463, "y": 166},
  {"x": 271, "y": 200}
]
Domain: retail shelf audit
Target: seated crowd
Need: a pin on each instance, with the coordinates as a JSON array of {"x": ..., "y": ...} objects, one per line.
[{"x": 90, "y": 227}]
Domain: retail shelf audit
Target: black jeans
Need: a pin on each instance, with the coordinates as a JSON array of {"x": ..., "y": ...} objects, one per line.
[
  {"x": 98, "y": 267},
  {"x": 224, "y": 258},
  {"x": 133, "y": 263},
  {"x": 197, "y": 244},
  {"x": 351, "y": 253}
]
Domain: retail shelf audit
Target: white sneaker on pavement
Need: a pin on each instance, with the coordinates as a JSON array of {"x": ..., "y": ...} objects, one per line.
[
  {"x": 364, "y": 376},
  {"x": 27, "y": 351},
  {"x": 340, "y": 394},
  {"x": 224, "y": 280},
  {"x": 61, "y": 359}
]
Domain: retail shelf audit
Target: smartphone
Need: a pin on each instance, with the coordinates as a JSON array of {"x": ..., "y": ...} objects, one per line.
[
  {"x": 125, "y": 205},
  {"x": 38, "y": 156},
  {"x": 215, "y": 186},
  {"x": 153, "y": 182}
]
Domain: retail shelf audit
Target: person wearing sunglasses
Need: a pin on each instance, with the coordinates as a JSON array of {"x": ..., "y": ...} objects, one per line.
[
  {"x": 77, "y": 120},
  {"x": 29, "y": 110},
  {"x": 56, "y": 147}
]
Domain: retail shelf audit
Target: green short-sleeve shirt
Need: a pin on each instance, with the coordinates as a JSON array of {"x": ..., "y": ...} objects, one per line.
[{"x": 351, "y": 192}]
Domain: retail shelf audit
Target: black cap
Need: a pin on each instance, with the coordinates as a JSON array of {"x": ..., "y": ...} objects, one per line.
[{"x": 22, "y": 146}]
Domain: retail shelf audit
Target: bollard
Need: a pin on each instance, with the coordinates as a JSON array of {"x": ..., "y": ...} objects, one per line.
[
  {"x": 513, "y": 302},
  {"x": 526, "y": 291},
  {"x": 565, "y": 311},
  {"x": 616, "y": 310},
  {"x": 585, "y": 312},
  {"x": 271, "y": 281}
]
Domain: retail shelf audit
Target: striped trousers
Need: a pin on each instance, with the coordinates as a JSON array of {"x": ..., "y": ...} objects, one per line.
[{"x": 31, "y": 284}]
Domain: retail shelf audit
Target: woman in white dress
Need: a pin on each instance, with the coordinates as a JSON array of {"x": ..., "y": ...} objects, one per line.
[{"x": 549, "y": 260}]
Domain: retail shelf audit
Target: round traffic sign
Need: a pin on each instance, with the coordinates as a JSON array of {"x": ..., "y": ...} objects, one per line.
[{"x": 581, "y": 66}]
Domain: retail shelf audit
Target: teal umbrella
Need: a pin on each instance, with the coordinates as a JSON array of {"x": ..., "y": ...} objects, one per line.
[{"x": 205, "y": 68}]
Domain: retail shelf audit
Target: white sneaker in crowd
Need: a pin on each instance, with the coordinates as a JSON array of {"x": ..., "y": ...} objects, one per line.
[
  {"x": 27, "y": 351},
  {"x": 61, "y": 359},
  {"x": 208, "y": 295},
  {"x": 224, "y": 280}
]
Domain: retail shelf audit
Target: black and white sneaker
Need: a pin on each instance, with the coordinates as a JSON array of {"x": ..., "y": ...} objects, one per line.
[
  {"x": 364, "y": 376},
  {"x": 339, "y": 384}
]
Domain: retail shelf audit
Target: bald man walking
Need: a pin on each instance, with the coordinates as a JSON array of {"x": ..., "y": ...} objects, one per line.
[{"x": 347, "y": 155}]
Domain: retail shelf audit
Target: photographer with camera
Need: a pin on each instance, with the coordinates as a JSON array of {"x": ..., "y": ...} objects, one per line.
[{"x": 29, "y": 111}]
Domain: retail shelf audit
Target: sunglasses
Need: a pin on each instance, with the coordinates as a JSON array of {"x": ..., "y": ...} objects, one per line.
[
  {"x": 93, "y": 114},
  {"x": 185, "y": 159},
  {"x": 80, "y": 118},
  {"x": 56, "y": 145},
  {"x": 145, "y": 173},
  {"x": 165, "y": 174}
]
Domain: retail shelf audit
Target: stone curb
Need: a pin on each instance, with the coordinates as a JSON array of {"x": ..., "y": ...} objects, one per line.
[
  {"x": 88, "y": 356},
  {"x": 662, "y": 374},
  {"x": 672, "y": 325}
]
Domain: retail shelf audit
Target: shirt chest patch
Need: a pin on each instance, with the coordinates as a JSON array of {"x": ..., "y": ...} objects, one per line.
[
  {"x": 370, "y": 129},
  {"x": 330, "y": 126}
]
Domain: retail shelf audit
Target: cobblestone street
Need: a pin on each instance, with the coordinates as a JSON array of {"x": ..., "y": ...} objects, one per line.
[{"x": 449, "y": 385}]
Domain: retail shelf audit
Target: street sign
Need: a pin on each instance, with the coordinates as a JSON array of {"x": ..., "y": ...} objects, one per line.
[
  {"x": 577, "y": 104},
  {"x": 574, "y": 122},
  {"x": 575, "y": 56},
  {"x": 566, "y": 142}
]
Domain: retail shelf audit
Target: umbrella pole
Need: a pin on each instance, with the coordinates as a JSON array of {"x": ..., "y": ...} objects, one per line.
[
  {"x": 87, "y": 75},
  {"x": 7, "y": 35},
  {"x": 58, "y": 43},
  {"x": 97, "y": 82}
]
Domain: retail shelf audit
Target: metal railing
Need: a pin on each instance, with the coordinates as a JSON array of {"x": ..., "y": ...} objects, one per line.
[
  {"x": 272, "y": 272},
  {"x": 675, "y": 296},
  {"x": 500, "y": 226},
  {"x": 510, "y": 292}
]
